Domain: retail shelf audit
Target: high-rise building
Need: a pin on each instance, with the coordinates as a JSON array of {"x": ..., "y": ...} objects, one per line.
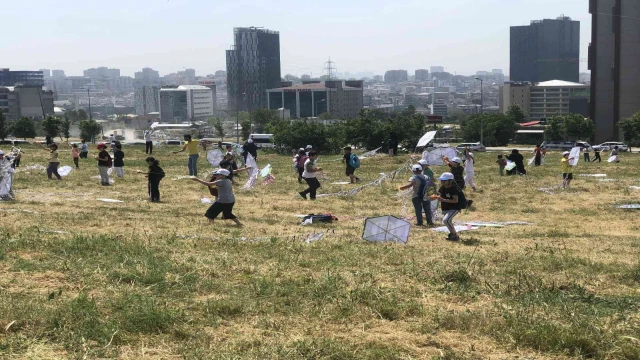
[
  {"x": 542, "y": 100},
  {"x": 343, "y": 100},
  {"x": 25, "y": 78},
  {"x": 422, "y": 75},
  {"x": 211, "y": 84},
  {"x": 147, "y": 99},
  {"x": 147, "y": 76},
  {"x": 46, "y": 73},
  {"x": 26, "y": 101},
  {"x": 396, "y": 76},
  {"x": 545, "y": 50},
  {"x": 186, "y": 103},
  {"x": 58, "y": 74},
  {"x": 437, "y": 69},
  {"x": 253, "y": 67},
  {"x": 102, "y": 72},
  {"x": 614, "y": 56}
]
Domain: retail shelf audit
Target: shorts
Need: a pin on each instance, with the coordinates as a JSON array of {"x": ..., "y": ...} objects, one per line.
[
  {"x": 350, "y": 170},
  {"x": 217, "y": 208},
  {"x": 567, "y": 176}
]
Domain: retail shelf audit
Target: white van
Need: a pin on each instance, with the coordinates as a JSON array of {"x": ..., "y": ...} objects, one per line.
[{"x": 263, "y": 140}]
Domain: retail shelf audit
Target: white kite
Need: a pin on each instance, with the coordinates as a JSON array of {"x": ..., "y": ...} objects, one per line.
[
  {"x": 110, "y": 200},
  {"x": 434, "y": 157},
  {"x": 214, "y": 157},
  {"x": 6, "y": 179},
  {"x": 574, "y": 155},
  {"x": 614, "y": 159},
  {"x": 426, "y": 139},
  {"x": 65, "y": 170},
  {"x": 253, "y": 172},
  {"x": 386, "y": 229},
  {"x": 510, "y": 165}
]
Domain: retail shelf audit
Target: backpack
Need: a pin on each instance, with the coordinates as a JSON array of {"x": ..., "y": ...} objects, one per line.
[
  {"x": 354, "y": 161},
  {"x": 423, "y": 186}
]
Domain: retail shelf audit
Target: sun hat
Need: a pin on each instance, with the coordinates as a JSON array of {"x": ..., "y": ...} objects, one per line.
[
  {"x": 416, "y": 168},
  {"x": 301, "y": 149},
  {"x": 423, "y": 163},
  {"x": 565, "y": 153},
  {"x": 457, "y": 160},
  {"x": 224, "y": 172},
  {"x": 446, "y": 176},
  {"x": 471, "y": 154},
  {"x": 309, "y": 147}
]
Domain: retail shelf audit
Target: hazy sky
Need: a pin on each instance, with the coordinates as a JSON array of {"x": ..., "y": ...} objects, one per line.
[{"x": 359, "y": 35}]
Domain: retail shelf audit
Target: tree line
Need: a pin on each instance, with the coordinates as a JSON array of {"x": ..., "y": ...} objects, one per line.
[{"x": 26, "y": 128}]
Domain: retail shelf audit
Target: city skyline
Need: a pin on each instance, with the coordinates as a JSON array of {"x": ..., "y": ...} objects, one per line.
[{"x": 361, "y": 36}]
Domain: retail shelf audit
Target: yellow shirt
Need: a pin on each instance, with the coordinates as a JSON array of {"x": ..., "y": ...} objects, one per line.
[
  {"x": 191, "y": 147},
  {"x": 566, "y": 167}
]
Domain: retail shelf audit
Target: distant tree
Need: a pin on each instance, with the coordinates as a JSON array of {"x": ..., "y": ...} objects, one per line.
[
  {"x": 72, "y": 115},
  {"x": 246, "y": 129},
  {"x": 260, "y": 118},
  {"x": 498, "y": 129},
  {"x": 325, "y": 116},
  {"x": 631, "y": 129},
  {"x": 51, "y": 126},
  {"x": 515, "y": 112},
  {"x": 554, "y": 130},
  {"x": 89, "y": 129},
  {"x": 4, "y": 126},
  {"x": 457, "y": 116},
  {"x": 82, "y": 115},
  {"x": 65, "y": 128},
  {"x": 24, "y": 128},
  {"x": 218, "y": 126},
  {"x": 569, "y": 127}
]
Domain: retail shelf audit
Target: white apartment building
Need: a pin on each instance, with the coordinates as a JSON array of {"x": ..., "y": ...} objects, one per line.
[
  {"x": 542, "y": 100},
  {"x": 186, "y": 103}
]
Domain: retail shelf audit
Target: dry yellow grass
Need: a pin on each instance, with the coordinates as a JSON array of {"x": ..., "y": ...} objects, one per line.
[{"x": 142, "y": 280}]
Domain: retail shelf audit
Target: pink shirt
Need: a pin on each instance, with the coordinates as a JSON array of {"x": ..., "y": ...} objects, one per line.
[{"x": 75, "y": 152}]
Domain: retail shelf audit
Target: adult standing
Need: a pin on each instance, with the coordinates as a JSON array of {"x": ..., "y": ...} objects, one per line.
[
  {"x": 249, "y": 147},
  {"x": 538, "y": 156},
  {"x": 191, "y": 146},
  {"x": 518, "y": 159},
  {"x": 148, "y": 143},
  {"x": 393, "y": 144},
  {"x": 48, "y": 140}
]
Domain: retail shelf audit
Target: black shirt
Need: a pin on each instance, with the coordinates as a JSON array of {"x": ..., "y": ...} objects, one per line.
[
  {"x": 155, "y": 173},
  {"x": 118, "y": 158},
  {"x": 458, "y": 174},
  {"x": 449, "y": 193},
  {"x": 250, "y": 148},
  {"x": 104, "y": 155}
]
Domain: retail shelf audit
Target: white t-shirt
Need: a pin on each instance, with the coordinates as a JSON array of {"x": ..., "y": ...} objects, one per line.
[
  {"x": 112, "y": 138},
  {"x": 468, "y": 166},
  {"x": 309, "y": 165}
]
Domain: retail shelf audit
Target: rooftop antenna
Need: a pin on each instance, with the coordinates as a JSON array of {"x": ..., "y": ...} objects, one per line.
[{"x": 330, "y": 68}]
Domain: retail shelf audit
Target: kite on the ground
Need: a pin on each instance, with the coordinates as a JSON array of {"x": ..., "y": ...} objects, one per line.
[
  {"x": 110, "y": 200},
  {"x": 265, "y": 171},
  {"x": 386, "y": 229},
  {"x": 214, "y": 157},
  {"x": 629, "y": 206},
  {"x": 458, "y": 228},
  {"x": 64, "y": 171},
  {"x": 614, "y": 159}
]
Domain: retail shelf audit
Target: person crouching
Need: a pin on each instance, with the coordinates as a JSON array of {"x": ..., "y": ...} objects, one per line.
[{"x": 225, "y": 201}]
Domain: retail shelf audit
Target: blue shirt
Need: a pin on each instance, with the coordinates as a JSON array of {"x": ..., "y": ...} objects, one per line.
[{"x": 84, "y": 148}]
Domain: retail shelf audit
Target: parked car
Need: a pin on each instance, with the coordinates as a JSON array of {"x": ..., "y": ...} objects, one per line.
[
  {"x": 472, "y": 146},
  {"x": 610, "y": 145},
  {"x": 584, "y": 144},
  {"x": 173, "y": 142},
  {"x": 558, "y": 145}
]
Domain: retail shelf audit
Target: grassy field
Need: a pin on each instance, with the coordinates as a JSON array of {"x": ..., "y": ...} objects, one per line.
[{"x": 87, "y": 279}]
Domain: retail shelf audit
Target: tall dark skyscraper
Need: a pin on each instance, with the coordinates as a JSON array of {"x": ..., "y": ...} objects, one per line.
[
  {"x": 546, "y": 50},
  {"x": 253, "y": 67},
  {"x": 614, "y": 56}
]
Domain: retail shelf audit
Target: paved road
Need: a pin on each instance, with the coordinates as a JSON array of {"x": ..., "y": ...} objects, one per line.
[{"x": 508, "y": 149}]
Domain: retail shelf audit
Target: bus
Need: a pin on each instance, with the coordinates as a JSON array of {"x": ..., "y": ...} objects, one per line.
[{"x": 262, "y": 140}]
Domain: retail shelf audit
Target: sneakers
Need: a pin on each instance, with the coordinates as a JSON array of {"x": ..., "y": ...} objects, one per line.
[
  {"x": 304, "y": 196},
  {"x": 358, "y": 181}
]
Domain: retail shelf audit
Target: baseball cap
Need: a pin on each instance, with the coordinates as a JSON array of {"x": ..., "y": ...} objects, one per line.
[
  {"x": 423, "y": 163},
  {"x": 446, "y": 176},
  {"x": 565, "y": 153},
  {"x": 456, "y": 159},
  {"x": 250, "y": 141},
  {"x": 416, "y": 168},
  {"x": 301, "y": 149},
  {"x": 224, "y": 172},
  {"x": 309, "y": 147},
  {"x": 101, "y": 145}
]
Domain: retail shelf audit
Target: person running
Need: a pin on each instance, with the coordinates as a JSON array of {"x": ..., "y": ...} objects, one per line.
[
  {"x": 54, "y": 162},
  {"x": 596, "y": 155},
  {"x": 148, "y": 142},
  {"x": 426, "y": 170},
  {"x": 298, "y": 163},
  {"x": 118, "y": 161},
  {"x": 350, "y": 171},
  {"x": 75, "y": 153},
  {"x": 104, "y": 163},
  {"x": 309, "y": 175},
  {"x": 502, "y": 163},
  {"x": 225, "y": 200},
  {"x": 448, "y": 198},
  {"x": 154, "y": 175},
  {"x": 455, "y": 166},
  {"x": 470, "y": 171},
  {"x": 191, "y": 146},
  {"x": 567, "y": 169},
  {"x": 84, "y": 150},
  {"x": 518, "y": 159},
  {"x": 420, "y": 199}
]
